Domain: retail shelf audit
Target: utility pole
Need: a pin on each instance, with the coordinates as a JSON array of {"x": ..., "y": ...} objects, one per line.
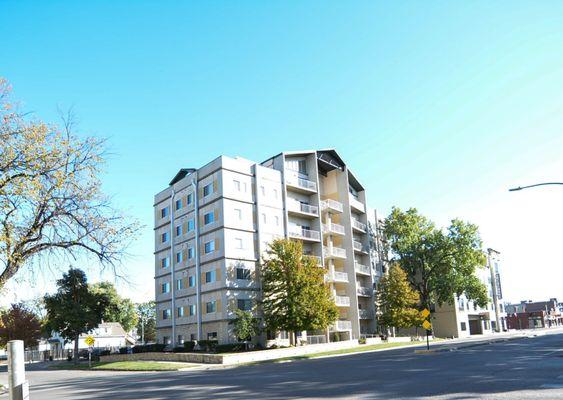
[{"x": 18, "y": 386}]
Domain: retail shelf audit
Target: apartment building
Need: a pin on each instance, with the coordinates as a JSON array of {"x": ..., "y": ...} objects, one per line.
[
  {"x": 464, "y": 318},
  {"x": 213, "y": 224}
]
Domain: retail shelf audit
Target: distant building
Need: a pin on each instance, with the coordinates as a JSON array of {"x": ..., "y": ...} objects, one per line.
[
  {"x": 107, "y": 335},
  {"x": 464, "y": 318},
  {"x": 534, "y": 314}
]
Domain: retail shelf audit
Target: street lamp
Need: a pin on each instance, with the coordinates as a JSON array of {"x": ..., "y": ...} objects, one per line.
[{"x": 537, "y": 184}]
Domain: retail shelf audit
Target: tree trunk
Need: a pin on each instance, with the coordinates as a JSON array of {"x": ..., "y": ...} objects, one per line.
[{"x": 76, "y": 349}]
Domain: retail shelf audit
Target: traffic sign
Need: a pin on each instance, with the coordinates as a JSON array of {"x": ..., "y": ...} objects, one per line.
[
  {"x": 89, "y": 340},
  {"x": 425, "y": 313},
  {"x": 426, "y": 325}
]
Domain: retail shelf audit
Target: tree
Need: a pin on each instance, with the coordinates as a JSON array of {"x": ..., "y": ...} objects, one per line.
[
  {"x": 295, "y": 295},
  {"x": 19, "y": 323},
  {"x": 74, "y": 309},
  {"x": 117, "y": 308},
  {"x": 439, "y": 264},
  {"x": 146, "y": 321},
  {"x": 50, "y": 198},
  {"x": 245, "y": 325},
  {"x": 397, "y": 301}
]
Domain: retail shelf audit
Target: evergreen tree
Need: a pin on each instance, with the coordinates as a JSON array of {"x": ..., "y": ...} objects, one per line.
[{"x": 295, "y": 295}]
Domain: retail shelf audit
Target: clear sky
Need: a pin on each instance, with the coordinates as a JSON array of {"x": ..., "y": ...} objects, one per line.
[{"x": 442, "y": 106}]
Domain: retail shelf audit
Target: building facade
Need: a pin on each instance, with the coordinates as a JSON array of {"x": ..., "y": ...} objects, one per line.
[
  {"x": 534, "y": 314},
  {"x": 463, "y": 318},
  {"x": 213, "y": 224}
]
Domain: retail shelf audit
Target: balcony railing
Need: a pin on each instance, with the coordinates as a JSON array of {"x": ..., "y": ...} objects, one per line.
[
  {"x": 302, "y": 183},
  {"x": 362, "y": 269},
  {"x": 335, "y": 252},
  {"x": 358, "y": 246},
  {"x": 296, "y": 206},
  {"x": 358, "y": 225},
  {"x": 365, "y": 314},
  {"x": 338, "y": 276},
  {"x": 342, "y": 301},
  {"x": 342, "y": 325},
  {"x": 334, "y": 228},
  {"x": 332, "y": 205},
  {"x": 364, "y": 291},
  {"x": 358, "y": 205},
  {"x": 306, "y": 234}
]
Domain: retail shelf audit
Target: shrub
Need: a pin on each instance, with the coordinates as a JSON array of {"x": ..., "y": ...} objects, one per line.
[
  {"x": 230, "y": 347},
  {"x": 179, "y": 349},
  {"x": 156, "y": 347},
  {"x": 189, "y": 345},
  {"x": 123, "y": 350},
  {"x": 105, "y": 352},
  {"x": 362, "y": 340},
  {"x": 207, "y": 345}
]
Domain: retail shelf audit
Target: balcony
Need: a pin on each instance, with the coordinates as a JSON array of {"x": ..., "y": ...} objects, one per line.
[
  {"x": 335, "y": 229},
  {"x": 306, "y": 234},
  {"x": 342, "y": 301},
  {"x": 342, "y": 325},
  {"x": 359, "y": 247},
  {"x": 317, "y": 259},
  {"x": 364, "y": 291},
  {"x": 295, "y": 207},
  {"x": 359, "y": 226},
  {"x": 334, "y": 252},
  {"x": 301, "y": 184},
  {"x": 365, "y": 314},
  {"x": 357, "y": 205},
  {"x": 362, "y": 269},
  {"x": 332, "y": 205},
  {"x": 337, "y": 276}
]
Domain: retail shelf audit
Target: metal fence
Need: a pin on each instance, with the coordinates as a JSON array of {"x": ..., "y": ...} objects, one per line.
[
  {"x": 43, "y": 355},
  {"x": 316, "y": 339}
]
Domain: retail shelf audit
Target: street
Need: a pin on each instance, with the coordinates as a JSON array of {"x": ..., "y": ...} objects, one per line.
[{"x": 529, "y": 368}]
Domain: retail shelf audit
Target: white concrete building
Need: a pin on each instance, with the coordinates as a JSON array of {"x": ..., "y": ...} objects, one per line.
[
  {"x": 464, "y": 318},
  {"x": 213, "y": 224}
]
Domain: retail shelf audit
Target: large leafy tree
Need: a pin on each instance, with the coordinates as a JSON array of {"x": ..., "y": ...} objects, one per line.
[
  {"x": 19, "y": 323},
  {"x": 117, "y": 308},
  {"x": 50, "y": 198},
  {"x": 74, "y": 309},
  {"x": 146, "y": 321},
  {"x": 440, "y": 264},
  {"x": 295, "y": 295},
  {"x": 397, "y": 301}
]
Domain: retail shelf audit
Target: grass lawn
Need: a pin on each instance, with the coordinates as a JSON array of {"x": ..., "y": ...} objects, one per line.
[{"x": 126, "y": 366}]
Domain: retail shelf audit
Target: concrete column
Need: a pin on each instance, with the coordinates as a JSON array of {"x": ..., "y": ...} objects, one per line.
[{"x": 16, "y": 371}]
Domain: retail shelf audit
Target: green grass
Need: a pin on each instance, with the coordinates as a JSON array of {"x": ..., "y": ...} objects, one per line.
[{"x": 125, "y": 366}]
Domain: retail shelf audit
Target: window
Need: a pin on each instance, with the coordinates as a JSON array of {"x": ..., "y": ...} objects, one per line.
[
  {"x": 164, "y": 212},
  {"x": 463, "y": 326},
  {"x": 209, "y": 218},
  {"x": 180, "y": 339},
  {"x": 237, "y": 185},
  {"x": 166, "y": 314},
  {"x": 190, "y": 198},
  {"x": 243, "y": 274},
  {"x": 179, "y": 230},
  {"x": 165, "y": 340},
  {"x": 263, "y": 190},
  {"x": 164, "y": 262},
  {"x": 190, "y": 253},
  {"x": 277, "y": 220},
  {"x": 238, "y": 243},
  {"x": 164, "y": 237},
  {"x": 180, "y": 312},
  {"x": 208, "y": 189},
  {"x": 178, "y": 257},
  {"x": 178, "y": 204},
  {"x": 244, "y": 187},
  {"x": 244, "y": 304},
  {"x": 191, "y": 310},
  {"x": 211, "y": 306},
  {"x": 192, "y": 336},
  {"x": 302, "y": 167},
  {"x": 275, "y": 193},
  {"x": 191, "y": 281},
  {"x": 263, "y": 217},
  {"x": 212, "y": 336},
  {"x": 191, "y": 225},
  {"x": 210, "y": 276},
  {"x": 238, "y": 213},
  {"x": 209, "y": 247},
  {"x": 165, "y": 287},
  {"x": 179, "y": 284}
]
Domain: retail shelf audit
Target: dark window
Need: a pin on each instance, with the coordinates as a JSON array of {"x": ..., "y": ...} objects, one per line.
[
  {"x": 463, "y": 326},
  {"x": 243, "y": 273}
]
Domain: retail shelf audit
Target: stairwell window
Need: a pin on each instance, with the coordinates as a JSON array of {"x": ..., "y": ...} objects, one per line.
[
  {"x": 210, "y": 276},
  {"x": 164, "y": 237},
  {"x": 165, "y": 287},
  {"x": 211, "y": 307},
  {"x": 178, "y": 204},
  {"x": 166, "y": 314},
  {"x": 180, "y": 312},
  {"x": 190, "y": 253},
  {"x": 164, "y": 262},
  {"x": 209, "y": 218},
  {"x": 179, "y": 284},
  {"x": 190, "y": 198},
  {"x": 192, "y": 310},
  {"x": 208, "y": 189},
  {"x": 164, "y": 212},
  {"x": 191, "y": 225},
  {"x": 209, "y": 247},
  {"x": 179, "y": 230},
  {"x": 179, "y": 257},
  {"x": 191, "y": 281}
]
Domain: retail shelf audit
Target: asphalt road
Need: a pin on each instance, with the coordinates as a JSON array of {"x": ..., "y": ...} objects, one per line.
[{"x": 530, "y": 368}]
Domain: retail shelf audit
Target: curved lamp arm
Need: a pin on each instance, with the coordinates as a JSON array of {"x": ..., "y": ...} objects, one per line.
[{"x": 537, "y": 184}]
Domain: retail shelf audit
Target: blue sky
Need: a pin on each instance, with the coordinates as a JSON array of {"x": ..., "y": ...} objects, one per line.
[{"x": 441, "y": 106}]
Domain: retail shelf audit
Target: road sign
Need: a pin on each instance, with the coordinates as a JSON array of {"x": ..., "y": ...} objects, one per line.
[
  {"x": 425, "y": 313},
  {"x": 426, "y": 325},
  {"x": 89, "y": 340}
]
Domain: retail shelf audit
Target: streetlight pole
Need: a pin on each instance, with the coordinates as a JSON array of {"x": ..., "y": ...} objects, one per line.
[{"x": 531, "y": 186}]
